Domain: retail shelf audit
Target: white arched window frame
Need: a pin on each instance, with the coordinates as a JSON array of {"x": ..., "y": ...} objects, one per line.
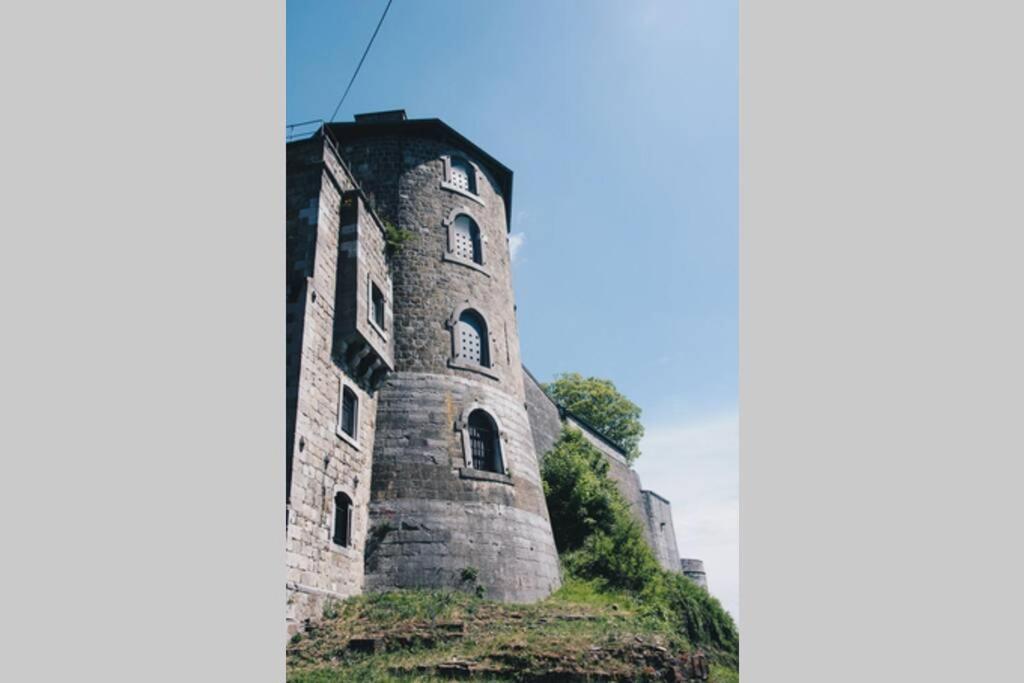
[
  {"x": 472, "y": 341},
  {"x": 467, "y": 243},
  {"x": 462, "y": 176},
  {"x": 501, "y": 472}
]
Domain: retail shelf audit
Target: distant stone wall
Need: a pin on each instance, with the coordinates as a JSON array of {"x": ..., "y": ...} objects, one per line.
[
  {"x": 663, "y": 534},
  {"x": 545, "y": 420},
  {"x": 694, "y": 570}
]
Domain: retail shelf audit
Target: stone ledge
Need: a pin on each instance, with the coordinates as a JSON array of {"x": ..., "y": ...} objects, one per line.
[
  {"x": 483, "y": 475},
  {"x": 452, "y": 258},
  {"x": 479, "y": 369},
  {"x": 445, "y": 185}
]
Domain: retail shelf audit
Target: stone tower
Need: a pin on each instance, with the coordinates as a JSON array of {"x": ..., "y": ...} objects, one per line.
[
  {"x": 338, "y": 354},
  {"x": 455, "y": 495}
]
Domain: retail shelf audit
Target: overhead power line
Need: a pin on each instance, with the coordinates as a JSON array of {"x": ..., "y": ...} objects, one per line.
[{"x": 361, "y": 59}]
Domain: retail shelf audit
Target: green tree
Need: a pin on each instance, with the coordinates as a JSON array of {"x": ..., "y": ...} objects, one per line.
[{"x": 598, "y": 402}]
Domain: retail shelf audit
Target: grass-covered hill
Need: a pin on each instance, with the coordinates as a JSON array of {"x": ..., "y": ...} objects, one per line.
[
  {"x": 581, "y": 633},
  {"x": 617, "y": 617}
]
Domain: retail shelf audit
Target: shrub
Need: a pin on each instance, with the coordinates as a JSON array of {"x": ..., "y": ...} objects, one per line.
[
  {"x": 693, "y": 612},
  {"x": 332, "y": 609},
  {"x": 395, "y": 238},
  {"x": 602, "y": 544},
  {"x": 591, "y": 521},
  {"x": 581, "y": 498}
]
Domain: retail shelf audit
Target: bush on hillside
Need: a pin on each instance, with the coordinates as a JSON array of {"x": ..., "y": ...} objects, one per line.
[
  {"x": 693, "y": 612},
  {"x": 600, "y": 541},
  {"x": 581, "y": 498}
]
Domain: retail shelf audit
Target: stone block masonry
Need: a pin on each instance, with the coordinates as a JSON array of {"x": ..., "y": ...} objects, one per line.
[
  {"x": 414, "y": 434},
  {"x": 658, "y": 512},
  {"x": 430, "y": 520},
  {"x": 321, "y": 461},
  {"x": 433, "y": 511},
  {"x": 694, "y": 570}
]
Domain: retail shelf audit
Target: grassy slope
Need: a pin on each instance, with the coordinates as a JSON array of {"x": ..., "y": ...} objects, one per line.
[{"x": 579, "y": 631}]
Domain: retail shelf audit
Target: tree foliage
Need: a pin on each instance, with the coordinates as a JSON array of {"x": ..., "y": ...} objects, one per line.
[
  {"x": 598, "y": 402},
  {"x": 594, "y": 529},
  {"x": 581, "y": 497}
]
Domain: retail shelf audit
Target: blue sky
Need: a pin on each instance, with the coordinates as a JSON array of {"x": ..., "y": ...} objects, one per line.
[{"x": 620, "y": 123}]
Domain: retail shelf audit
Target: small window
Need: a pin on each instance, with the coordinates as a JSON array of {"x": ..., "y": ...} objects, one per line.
[
  {"x": 484, "y": 442},
  {"x": 377, "y": 302},
  {"x": 463, "y": 176},
  {"x": 348, "y": 416},
  {"x": 471, "y": 339},
  {"x": 467, "y": 239},
  {"x": 342, "y": 534}
]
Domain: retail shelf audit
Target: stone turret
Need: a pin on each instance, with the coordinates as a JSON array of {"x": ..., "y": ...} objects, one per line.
[
  {"x": 694, "y": 570},
  {"x": 456, "y": 496}
]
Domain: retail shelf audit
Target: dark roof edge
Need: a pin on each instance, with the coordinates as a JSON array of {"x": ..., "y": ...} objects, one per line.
[
  {"x": 595, "y": 431},
  {"x": 540, "y": 386},
  {"x": 659, "y": 497}
]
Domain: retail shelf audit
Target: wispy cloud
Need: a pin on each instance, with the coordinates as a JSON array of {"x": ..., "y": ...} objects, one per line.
[
  {"x": 695, "y": 464},
  {"x": 515, "y": 243}
]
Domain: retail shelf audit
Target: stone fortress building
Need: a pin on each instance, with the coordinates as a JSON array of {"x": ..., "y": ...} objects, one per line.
[{"x": 414, "y": 432}]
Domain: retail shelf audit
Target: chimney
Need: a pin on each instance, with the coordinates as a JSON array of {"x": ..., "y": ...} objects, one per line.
[{"x": 381, "y": 116}]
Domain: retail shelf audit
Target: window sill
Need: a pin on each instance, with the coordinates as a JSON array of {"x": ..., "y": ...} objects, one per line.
[
  {"x": 348, "y": 439},
  {"x": 377, "y": 328},
  {"x": 448, "y": 256},
  {"x": 345, "y": 550},
  {"x": 479, "y": 369},
  {"x": 484, "y": 475},
  {"x": 465, "y": 193}
]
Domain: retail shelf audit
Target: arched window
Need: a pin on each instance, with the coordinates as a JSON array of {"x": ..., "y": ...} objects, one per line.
[
  {"x": 463, "y": 176},
  {"x": 467, "y": 239},
  {"x": 471, "y": 339},
  {"x": 342, "y": 533},
  {"x": 484, "y": 442}
]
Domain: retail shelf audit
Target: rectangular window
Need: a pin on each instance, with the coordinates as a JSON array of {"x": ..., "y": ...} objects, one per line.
[
  {"x": 377, "y": 301},
  {"x": 349, "y": 410},
  {"x": 342, "y": 519}
]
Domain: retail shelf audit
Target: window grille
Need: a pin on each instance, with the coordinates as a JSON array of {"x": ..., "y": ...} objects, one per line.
[
  {"x": 467, "y": 239},
  {"x": 483, "y": 441},
  {"x": 472, "y": 339},
  {"x": 462, "y": 175}
]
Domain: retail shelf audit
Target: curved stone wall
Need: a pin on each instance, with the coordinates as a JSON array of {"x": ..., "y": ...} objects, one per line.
[
  {"x": 431, "y": 515},
  {"x": 694, "y": 570}
]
